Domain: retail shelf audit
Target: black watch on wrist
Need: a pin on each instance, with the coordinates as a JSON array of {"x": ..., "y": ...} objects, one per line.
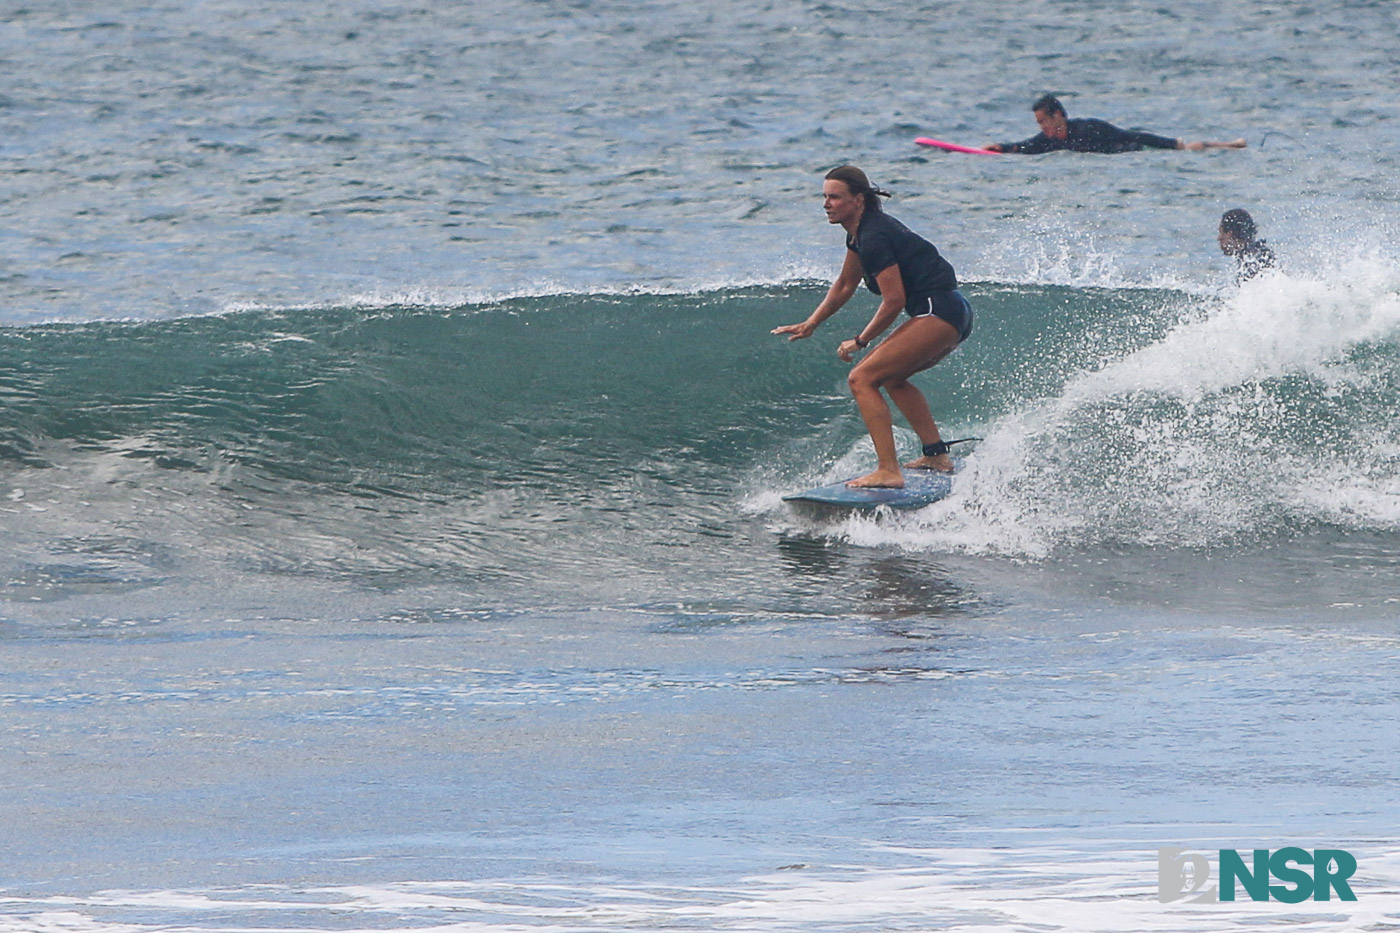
[{"x": 861, "y": 343}]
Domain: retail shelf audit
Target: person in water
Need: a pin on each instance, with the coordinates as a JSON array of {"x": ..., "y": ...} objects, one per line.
[
  {"x": 1238, "y": 238},
  {"x": 1058, "y": 131},
  {"x": 909, "y": 275}
]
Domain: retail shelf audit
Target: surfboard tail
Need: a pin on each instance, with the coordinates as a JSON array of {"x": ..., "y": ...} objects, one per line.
[{"x": 921, "y": 488}]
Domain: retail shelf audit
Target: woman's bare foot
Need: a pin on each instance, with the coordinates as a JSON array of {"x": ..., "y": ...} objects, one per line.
[
  {"x": 942, "y": 463},
  {"x": 880, "y": 479}
]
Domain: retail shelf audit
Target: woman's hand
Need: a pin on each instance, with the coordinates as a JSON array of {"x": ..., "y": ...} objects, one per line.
[
  {"x": 848, "y": 350},
  {"x": 796, "y": 331}
]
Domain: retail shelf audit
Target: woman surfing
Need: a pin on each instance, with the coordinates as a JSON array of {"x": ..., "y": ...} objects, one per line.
[{"x": 909, "y": 275}]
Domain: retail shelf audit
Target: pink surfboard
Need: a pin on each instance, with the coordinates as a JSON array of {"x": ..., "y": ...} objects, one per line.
[{"x": 952, "y": 147}]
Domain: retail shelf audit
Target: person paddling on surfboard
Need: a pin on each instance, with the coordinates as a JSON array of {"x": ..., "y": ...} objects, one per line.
[
  {"x": 909, "y": 275},
  {"x": 1058, "y": 131}
]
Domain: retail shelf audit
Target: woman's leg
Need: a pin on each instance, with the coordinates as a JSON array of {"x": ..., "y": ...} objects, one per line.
[
  {"x": 915, "y": 345},
  {"x": 914, "y": 406}
]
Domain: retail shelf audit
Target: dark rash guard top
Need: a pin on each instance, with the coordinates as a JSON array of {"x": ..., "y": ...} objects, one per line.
[
  {"x": 881, "y": 242},
  {"x": 1252, "y": 260},
  {"x": 1090, "y": 135}
]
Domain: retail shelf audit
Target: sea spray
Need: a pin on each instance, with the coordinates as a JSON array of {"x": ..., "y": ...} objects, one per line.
[{"x": 1261, "y": 415}]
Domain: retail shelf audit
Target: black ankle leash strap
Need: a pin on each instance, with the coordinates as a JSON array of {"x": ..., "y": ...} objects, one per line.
[{"x": 941, "y": 447}]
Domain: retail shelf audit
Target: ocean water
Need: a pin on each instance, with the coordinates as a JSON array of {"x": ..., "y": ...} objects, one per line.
[{"x": 392, "y": 447}]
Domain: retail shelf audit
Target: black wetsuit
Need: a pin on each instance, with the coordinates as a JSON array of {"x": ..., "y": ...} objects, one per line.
[
  {"x": 1252, "y": 260},
  {"x": 930, "y": 284},
  {"x": 1090, "y": 135}
]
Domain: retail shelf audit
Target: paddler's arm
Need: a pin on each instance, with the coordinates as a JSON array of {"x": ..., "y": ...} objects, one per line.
[
  {"x": 1211, "y": 144},
  {"x": 891, "y": 303},
  {"x": 836, "y": 297},
  {"x": 1034, "y": 146}
]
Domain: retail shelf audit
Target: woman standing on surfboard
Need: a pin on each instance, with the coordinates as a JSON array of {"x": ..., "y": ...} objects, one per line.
[{"x": 909, "y": 275}]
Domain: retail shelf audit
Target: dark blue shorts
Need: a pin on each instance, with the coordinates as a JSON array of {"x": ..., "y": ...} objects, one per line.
[{"x": 949, "y": 306}]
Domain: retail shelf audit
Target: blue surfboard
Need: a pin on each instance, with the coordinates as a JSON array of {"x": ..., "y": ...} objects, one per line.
[{"x": 921, "y": 488}]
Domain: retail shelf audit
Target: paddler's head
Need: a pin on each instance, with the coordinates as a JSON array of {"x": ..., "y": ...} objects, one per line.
[{"x": 1050, "y": 116}]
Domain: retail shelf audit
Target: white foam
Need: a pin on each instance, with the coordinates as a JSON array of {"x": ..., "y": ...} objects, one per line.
[
  {"x": 1187, "y": 440},
  {"x": 1273, "y": 325},
  {"x": 1000, "y": 890}
]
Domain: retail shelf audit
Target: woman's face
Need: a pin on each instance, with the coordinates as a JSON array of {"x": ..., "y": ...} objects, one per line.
[{"x": 838, "y": 202}]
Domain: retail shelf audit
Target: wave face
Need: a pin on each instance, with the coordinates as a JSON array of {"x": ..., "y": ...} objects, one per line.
[
  {"x": 575, "y": 437},
  {"x": 489, "y": 443}
]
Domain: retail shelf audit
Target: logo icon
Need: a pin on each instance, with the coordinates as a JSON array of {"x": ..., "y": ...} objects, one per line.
[{"x": 1180, "y": 875}]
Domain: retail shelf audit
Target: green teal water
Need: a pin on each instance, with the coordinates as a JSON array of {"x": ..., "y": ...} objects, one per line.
[{"x": 548, "y": 444}]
